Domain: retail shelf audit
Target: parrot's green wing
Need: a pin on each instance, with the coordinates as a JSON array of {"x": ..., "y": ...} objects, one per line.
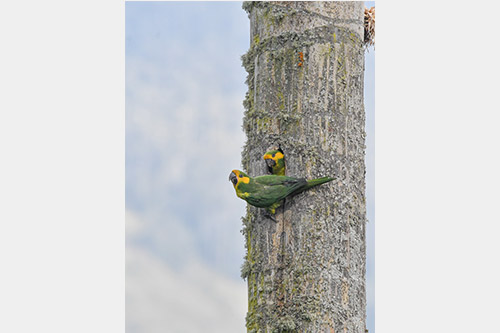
[
  {"x": 274, "y": 189},
  {"x": 272, "y": 180},
  {"x": 269, "y": 196},
  {"x": 283, "y": 184}
]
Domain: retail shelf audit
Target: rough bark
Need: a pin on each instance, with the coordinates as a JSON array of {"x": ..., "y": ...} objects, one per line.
[{"x": 306, "y": 272}]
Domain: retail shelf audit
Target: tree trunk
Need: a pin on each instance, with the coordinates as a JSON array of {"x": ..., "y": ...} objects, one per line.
[{"x": 306, "y": 271}]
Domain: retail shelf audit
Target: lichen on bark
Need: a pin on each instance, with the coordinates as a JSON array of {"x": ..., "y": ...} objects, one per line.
[{"x": 306, "y": 272}]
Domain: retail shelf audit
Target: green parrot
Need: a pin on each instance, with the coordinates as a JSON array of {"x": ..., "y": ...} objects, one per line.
[
  {"x": 267, "y": 191},
  {"x": 275, "y": 160}
]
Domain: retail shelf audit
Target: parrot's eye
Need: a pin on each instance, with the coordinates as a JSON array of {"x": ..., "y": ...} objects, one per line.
[
  {"x": 273, "y": 155},
  {"x": 241, "y": 176}
]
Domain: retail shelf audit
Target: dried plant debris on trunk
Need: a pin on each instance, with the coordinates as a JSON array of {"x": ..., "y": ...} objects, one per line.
[{"x": 369, "y": 27}]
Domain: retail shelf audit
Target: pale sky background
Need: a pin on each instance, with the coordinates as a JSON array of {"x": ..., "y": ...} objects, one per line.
[{"x": 184, "y": 92}]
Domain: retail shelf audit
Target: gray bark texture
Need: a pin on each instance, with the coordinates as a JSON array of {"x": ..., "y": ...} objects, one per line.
[{"x": 306, "y": 271}]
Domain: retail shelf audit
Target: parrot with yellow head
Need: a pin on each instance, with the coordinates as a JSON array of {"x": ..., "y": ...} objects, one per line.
[
  {"x": 275, "y": 160},
  {"x": 268, "y": 191}
]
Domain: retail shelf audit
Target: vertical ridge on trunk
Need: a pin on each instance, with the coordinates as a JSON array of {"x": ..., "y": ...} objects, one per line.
[{"x": 306, "y": 272}]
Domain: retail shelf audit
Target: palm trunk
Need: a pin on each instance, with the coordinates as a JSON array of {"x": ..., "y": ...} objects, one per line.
[{"x": 306, "y": 272}]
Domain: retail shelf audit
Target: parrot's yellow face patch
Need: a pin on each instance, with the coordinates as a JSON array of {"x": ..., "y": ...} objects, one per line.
[
  {"x": 241, "y": 178},
  {"x": 274, "y": 156},
  {"x": 278, "y": 156}
]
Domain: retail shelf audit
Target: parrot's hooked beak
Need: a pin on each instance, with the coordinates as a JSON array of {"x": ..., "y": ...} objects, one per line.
[
  {"x": 270, "y": 162},
  {"x": 233, "y": 178}
]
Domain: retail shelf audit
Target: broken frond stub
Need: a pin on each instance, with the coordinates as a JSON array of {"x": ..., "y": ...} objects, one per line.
[{"x": 369, "y": 27}]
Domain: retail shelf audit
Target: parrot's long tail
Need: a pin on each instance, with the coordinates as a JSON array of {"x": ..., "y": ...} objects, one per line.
[{"x": 318, "y": 181}]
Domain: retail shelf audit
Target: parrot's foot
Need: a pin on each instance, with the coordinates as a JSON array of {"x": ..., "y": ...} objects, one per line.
[{"x": 269, "y": 216}]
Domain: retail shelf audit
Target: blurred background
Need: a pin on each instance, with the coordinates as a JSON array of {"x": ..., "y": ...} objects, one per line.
[{"x": 184, "y": 92}]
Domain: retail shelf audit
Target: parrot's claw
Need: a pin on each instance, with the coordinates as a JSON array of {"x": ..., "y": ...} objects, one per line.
[{"x": 268, "y": 215}]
